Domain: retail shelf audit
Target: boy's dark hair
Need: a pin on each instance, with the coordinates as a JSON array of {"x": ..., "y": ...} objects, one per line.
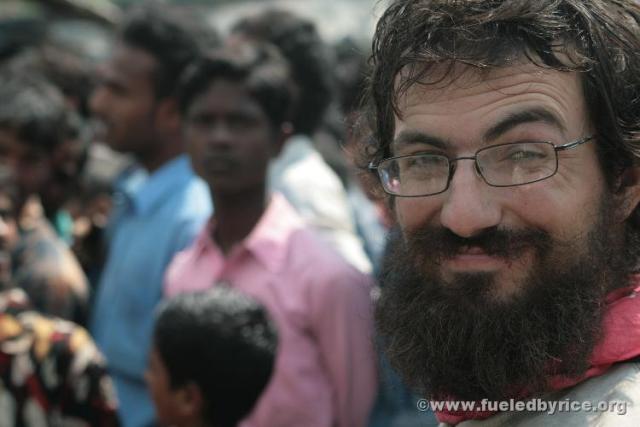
[
  {"x": 299, "y": 42},
  {"x": 36, "y": 111},
  {"x": 259, "y": 67},
  {"x": 172, "y": 35},
  {"x": 223, "y": 342}
]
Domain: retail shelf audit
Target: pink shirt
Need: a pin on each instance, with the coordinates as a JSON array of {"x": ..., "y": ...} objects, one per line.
[{"x": 325, "y": 372}]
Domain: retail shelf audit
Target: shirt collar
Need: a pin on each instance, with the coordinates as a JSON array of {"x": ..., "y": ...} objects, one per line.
[
  {"x": 144, "y": 191},
  {"x": 269, "y": 240}
]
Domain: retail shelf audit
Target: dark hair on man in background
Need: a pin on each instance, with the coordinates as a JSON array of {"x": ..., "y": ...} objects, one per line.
[
  {"x": 35, "y": 110},
  {"x": 172, "y": 35},
  {"x": 337, "y": 127},
  {"x": 300, "y": 43},
  {"x": 222, "y": 341},
  {"x": 259, "y": 67},
  {"x": 351, "y": 72},
  {"x": 68, "y": 71}
]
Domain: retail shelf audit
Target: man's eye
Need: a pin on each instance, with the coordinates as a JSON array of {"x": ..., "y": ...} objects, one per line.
[
  {"x": 241, "y": 122},
  {"x": 201, "y": 121},
  {"x": 422, "y": 161},
  {"x": 523, "y": 155}
]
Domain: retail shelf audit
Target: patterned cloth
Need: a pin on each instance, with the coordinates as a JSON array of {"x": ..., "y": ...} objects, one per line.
[{"x": 51, "y": 373}]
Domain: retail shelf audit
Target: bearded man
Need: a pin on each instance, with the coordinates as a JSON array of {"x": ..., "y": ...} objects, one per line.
[{"x": 505, "y": 139}]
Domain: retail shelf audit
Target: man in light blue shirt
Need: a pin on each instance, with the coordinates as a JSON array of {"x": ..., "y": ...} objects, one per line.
[{"x": 159, "y": 204}]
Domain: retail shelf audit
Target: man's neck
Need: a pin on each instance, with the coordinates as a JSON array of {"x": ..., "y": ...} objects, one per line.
[
  {"x": 236, "y": 216},
  {"x": 160, "y": 154}
]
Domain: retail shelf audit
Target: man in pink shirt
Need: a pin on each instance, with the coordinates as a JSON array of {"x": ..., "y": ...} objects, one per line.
[{"x": 236, "y": 106}]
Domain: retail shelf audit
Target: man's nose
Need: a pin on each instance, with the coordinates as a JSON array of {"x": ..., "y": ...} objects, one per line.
[
  {"x": 220, "y": 136},
  {"x": 469, "y": 207}
]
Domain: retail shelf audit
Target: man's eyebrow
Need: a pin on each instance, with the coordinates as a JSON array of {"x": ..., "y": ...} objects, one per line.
[
  {"x": 411, "y": 137},
  {"x": 109, "y": 80},
  {"x": 532, "y": 115}
]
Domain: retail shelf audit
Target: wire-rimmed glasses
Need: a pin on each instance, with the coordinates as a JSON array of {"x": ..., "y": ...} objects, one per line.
[{"x": 502, "y": 165}]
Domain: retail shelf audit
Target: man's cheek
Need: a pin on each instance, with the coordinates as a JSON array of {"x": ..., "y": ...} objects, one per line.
[{"x": 412, "y": 214}]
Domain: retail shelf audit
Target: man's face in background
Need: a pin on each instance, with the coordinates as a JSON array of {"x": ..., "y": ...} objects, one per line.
[
  {"x": 124, "y": 100},
  {"x": 230, "y": 138},
  {"x": 31, "y": 166},
  {"x": 484, "y": 287}
]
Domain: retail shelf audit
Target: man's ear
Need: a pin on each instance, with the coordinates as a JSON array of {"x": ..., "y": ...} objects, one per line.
[
  {"x": 190, "y": 401},
  {"x": 168, "y": 118},
  {"x": 282, "y": 134},
  {"x": 628, "y": 192}
]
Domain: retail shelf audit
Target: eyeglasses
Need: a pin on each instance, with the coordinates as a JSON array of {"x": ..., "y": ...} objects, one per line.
[{"x": 502, "y": 165}]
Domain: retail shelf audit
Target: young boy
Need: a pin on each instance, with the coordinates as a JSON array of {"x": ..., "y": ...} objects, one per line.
[{"x": 212, "y": 357}]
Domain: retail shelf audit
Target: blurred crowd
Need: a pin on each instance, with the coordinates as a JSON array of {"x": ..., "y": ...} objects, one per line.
[{"x": 185, "y": 235}]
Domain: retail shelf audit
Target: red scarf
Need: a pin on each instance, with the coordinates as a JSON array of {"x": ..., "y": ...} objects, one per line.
[{"x": 620, "y": 341}]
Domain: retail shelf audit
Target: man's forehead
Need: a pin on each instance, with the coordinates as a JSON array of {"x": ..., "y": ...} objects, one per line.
[
  {"x": 445, "y": 84},
  {"x": 8, "y": 136},
  {"x": 129, "y": 61},
  {"x": 10, "y": 141}
]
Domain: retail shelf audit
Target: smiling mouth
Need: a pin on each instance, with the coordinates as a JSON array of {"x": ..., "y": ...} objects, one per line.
[{"x": 474, "y": 259}]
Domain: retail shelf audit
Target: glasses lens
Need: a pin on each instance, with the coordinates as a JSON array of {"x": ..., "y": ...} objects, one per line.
[
  {"x": 418, "y": 175},
  {"x": 517, "y": 164}
]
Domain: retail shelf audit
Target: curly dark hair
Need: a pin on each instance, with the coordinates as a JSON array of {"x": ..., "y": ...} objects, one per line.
[
  {"x": 308, "y": 56},
  {"x": 224, "y": 342},
  {"x": 599, "y": 39}
]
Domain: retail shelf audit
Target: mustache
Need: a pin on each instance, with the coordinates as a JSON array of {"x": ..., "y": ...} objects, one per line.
[{"x": 438, "y": 243}]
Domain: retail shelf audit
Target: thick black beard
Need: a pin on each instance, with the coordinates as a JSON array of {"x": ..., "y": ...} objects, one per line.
[{"x": 456, "y": 340}]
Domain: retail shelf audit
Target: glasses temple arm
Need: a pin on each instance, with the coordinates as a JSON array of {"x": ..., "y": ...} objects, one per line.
[{"x": 573, "y": 144}]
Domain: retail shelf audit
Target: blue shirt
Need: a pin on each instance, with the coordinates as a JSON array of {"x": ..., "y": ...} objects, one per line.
[{"x": 154, "y": 217}]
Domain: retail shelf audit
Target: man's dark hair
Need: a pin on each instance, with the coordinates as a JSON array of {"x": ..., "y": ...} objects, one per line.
[
  {"x": 173, "y": 36},
  {"x": 260, "y": 68},
  {"x": 422, "y": 41},
  {"x": 223, "y": 342},
  {"x": 600, "y": 39},
  {"x": 36, "y": 111},
  {"x": 300, "y": 43},
  {"x": 68, "y": 71}
]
